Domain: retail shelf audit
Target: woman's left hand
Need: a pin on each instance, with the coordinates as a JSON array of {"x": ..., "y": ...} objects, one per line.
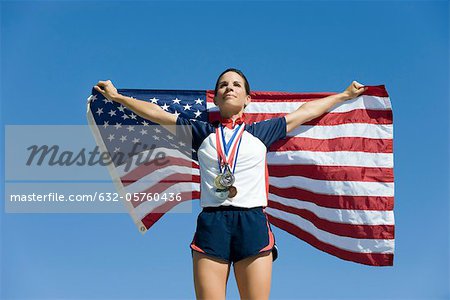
[{"x": 354, "y": 90}]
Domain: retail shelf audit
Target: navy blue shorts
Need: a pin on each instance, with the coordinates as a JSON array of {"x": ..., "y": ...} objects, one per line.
[{"x": 233, "y": 233}]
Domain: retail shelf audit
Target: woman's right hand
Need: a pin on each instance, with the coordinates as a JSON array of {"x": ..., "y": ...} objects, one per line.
[{"x": 107, "y": 89}]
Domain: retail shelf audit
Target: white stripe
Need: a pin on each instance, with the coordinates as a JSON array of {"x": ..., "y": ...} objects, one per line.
[
  {"x": 151, "y": 179},
  {"x": 342, "y": 188},
  {"x": 345, "y": 216},
  {"x": 343, "y": 242},
  {"x": 338, "y": 158},
  {"x": 374, "y": 131},
  {"x": 132, "y": 163},
  {"x": 152, "y": 206},
  {"x": 362, "y": 102}
]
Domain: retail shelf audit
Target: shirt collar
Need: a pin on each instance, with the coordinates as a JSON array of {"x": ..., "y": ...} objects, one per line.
[{"x": 226, "y": 122}]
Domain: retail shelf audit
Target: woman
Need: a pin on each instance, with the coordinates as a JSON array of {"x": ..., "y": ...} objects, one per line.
[{"x": 233, "y": 228}]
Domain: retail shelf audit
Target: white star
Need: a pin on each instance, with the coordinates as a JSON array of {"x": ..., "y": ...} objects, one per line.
[
  {"x": 176, "y": 114},
  {"x": 106, "y": 124},
  {"x": 145, "y": 123},
  {"x": 99, "y": 111},
  {"x": 118, "y": 125},
  {"x": 130, "y": 128},
  {"x": 170, "y": 137},
  {"x": 105, "y": 100},
  {"x": 133, "y": 116},
  {"x": 154, "y": 100},
  {"x": 193, "y": 151},
  {"x": 157, "y": 130},
  {"x": 173, "y": 145},
  {"x": 111, "y": 137},
  {"x": 123, "y": 138},
  {"x": 124, "y": 116},
  {"x": 176, "y": 100},
  {"x": 198, "y": 101},
  {"x": 135, "y": 140},
  {"x": 187, "y": 107},
  {"x": 143, "y": 131},
  {"x": 92, "y": 98},
  {"x": 156, "y": 137},
  {"x": 121, "y": 108},
  {"x": 112, "y": 113},
  {"x": 116, "y": 149},
  {"x": 197, "y": 113},
  {"x": 165, "y": 106},
  {"x": 181, "y": 144}
]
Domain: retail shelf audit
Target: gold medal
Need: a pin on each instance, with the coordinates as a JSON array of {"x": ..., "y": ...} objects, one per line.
[{"x": 217, "y": 183}]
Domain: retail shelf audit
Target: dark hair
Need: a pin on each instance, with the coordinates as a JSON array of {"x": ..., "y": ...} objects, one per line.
[{"x": 247, "y": 86}]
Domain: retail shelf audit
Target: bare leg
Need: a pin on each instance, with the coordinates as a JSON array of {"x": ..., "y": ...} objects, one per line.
[
  {"x": 210, "y": 276},
  {"x": 253, "y": 276}
]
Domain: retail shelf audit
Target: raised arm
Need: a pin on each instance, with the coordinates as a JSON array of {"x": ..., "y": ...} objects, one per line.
[
  {"x": 316, "y": 108},
  {"x": 143, "y": 109}
]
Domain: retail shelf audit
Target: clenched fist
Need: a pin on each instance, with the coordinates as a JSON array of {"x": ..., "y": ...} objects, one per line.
[
  {"x": 107, "y": 89},
  {"x": 354, "y": 90}
]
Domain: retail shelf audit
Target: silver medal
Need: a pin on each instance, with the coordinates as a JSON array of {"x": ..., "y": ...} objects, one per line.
[{"x": 227, "y": 178}]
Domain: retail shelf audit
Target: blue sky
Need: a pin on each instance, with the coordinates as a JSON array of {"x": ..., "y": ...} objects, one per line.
[{"x": 53, "y": 52}]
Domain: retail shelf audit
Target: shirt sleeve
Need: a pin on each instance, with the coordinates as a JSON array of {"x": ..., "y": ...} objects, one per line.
[
  {"x": 269, "y": 131},
  {"x": 198, "y": 130}
]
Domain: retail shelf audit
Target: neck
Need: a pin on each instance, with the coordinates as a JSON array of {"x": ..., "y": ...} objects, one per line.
[{"x": 231, "y": 116}]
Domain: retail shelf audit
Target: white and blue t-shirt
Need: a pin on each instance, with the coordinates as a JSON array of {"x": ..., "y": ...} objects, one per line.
[{"x": 251, "y": 176}]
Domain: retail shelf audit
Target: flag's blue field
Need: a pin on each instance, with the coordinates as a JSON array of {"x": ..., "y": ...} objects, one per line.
[{"x": 52, "y": 53}]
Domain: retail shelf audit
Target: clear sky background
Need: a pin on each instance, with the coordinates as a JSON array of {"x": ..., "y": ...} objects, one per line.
[{"x": 53, "y": 52}]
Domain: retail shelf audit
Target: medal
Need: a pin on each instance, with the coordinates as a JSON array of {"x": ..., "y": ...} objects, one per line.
[
  {"x": 227, "y": 178},
  {"x": 227, "y": 154},
  {"x": 221, "y": 194},
  {"x": 217, "y": 183},
  {"x": 232, "y": 191}
]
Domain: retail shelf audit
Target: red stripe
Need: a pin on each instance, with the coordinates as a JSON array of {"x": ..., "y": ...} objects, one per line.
[
  {"x": 271, "y": 238},
  {"x": 195, "y": 247},
  {"x": 210, "y": 96},
  {"x": 372, "y": 259},
  {"x": 145, "y": 169},
  {"x": 165, "y": 183},
  {"x": 219, "y": 147},
  {"x": 336, "y": 201},
  {"x": 257, "y": 96},
  {"x": 152, "y": 217},
  {"x": 342, "y": 229},
  {"x": 376, "y": 90},
  {"x": 356, "y": 144},
  {"x": 334, "y": 173}
]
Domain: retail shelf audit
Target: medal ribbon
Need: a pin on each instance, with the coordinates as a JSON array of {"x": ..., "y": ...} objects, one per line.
[{"x": 224, "y": 155}]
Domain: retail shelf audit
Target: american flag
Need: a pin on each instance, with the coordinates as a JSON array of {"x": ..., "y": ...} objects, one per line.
[{"x": 331, "y": 180}]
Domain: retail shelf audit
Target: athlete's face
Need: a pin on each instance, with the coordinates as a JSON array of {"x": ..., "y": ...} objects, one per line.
[{"x": 231, "y": 95}]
